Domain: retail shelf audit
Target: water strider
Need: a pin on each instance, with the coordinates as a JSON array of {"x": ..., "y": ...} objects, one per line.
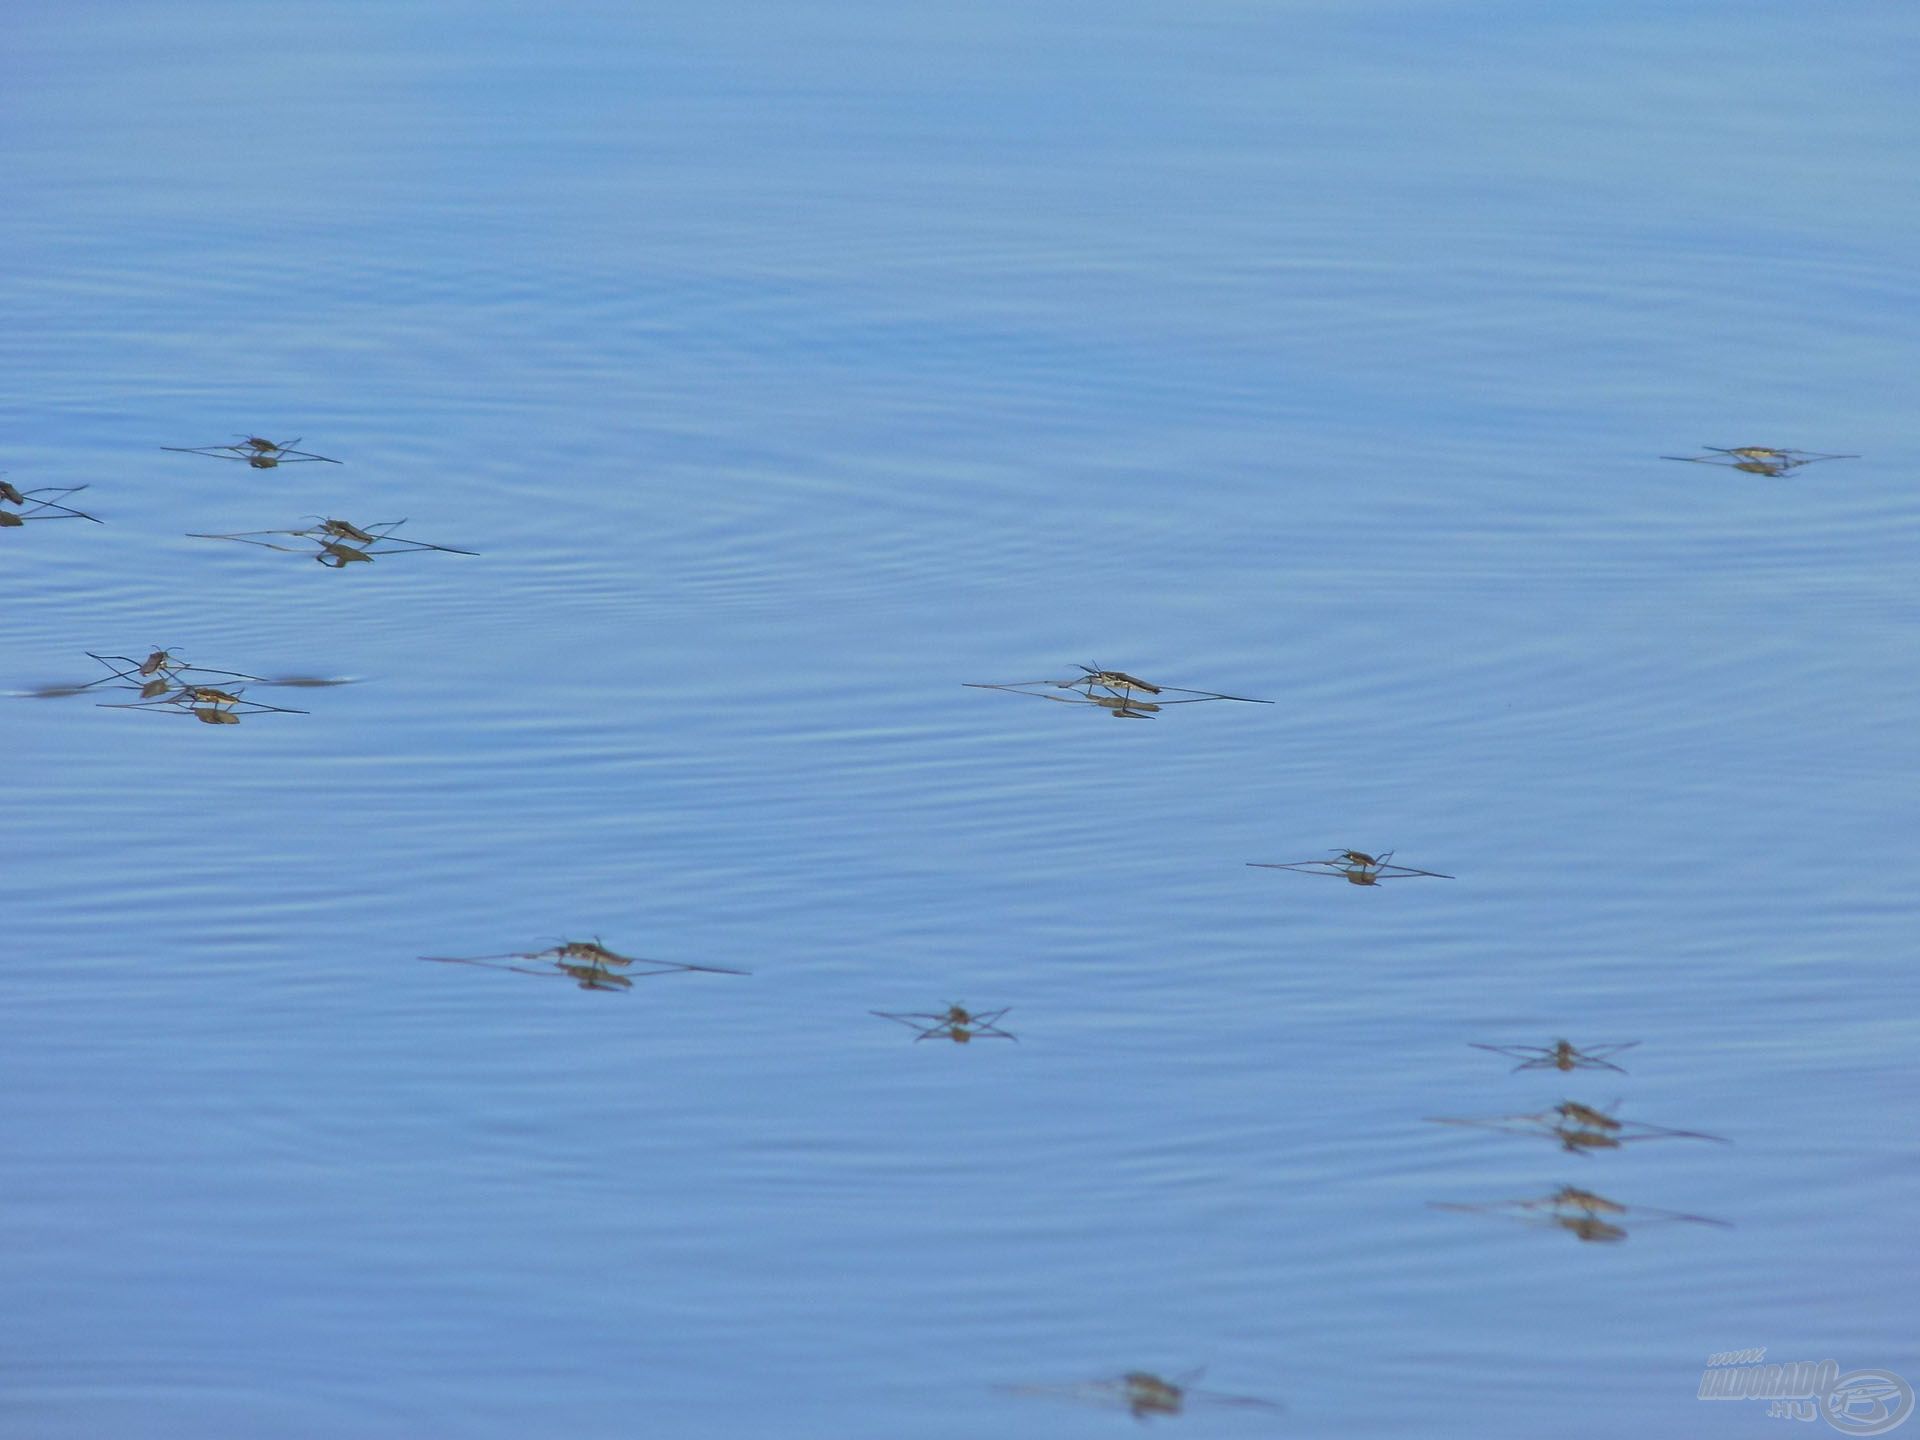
[
  {"x": 1756, "y": 459},
  {"x": 1356, "y": 867},
  {"x": 956, "y": 1023},
  {"x": 331, "y": 537},
  {"x": 574, "y": 958},
  {"x": 1118, "y": 692},
  {"x": 1144, "y": 1395},
  {"x": 260, "y": 453},
  {"x": 1561, "y": 1055}
]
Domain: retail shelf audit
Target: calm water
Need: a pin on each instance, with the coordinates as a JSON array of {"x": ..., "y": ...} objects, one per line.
[{"x": 790, "y": 366}]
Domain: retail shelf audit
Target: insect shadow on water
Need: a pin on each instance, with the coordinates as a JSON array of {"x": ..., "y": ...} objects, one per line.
[
  {"x": 955, "y": 1023},
  {"x": 1560, "y": 1055},
  {"x": 1356, "y": 867},
  {"x": 338, "y": 543},
  {"x": 587, "y": 962},
  {"x": 1756, "y": 459},
  {"x": 1143, "y": 1394},
  {"x": 1579, "y": 1212},
  {"x": 1579, "y": 1129},
  {"x": 1114, "y": 691},
  {"x": 260, "y": 453},
  {"x": 41, "y": 504}
]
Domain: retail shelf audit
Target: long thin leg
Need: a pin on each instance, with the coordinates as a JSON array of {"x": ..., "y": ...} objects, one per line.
[
  {"x": 243, "y": 538},
  {"x": 403, "y": 541}
]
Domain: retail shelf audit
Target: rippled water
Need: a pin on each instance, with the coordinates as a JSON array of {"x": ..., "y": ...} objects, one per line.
[{"x": 791, "y": 366}]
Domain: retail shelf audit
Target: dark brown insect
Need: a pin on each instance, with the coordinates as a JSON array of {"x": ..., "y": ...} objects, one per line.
[{"x": 165, "y": 668}]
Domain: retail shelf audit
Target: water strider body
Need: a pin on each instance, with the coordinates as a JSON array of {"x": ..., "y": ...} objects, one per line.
[
  {"x": 577, "y": 957},
  {"x": 1356, "y": 867},
  {"x": 1757, "y": 459},
  {"x": 1115, "y": 691},
  {"x": 1561, "y": 1055},
  {"x": 331, "y": 537},
  {"x": 256, "y": 451},
  {"x": 1145, "y": 1395},
  {"x": 955, "y": 1023}
]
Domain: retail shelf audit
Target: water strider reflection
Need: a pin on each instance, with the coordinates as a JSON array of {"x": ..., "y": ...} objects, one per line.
[
  {"x": 1579, "y": 1212},
  {"x": 1577, "y": 1128},
  {"x": 1356, "y": 867}
]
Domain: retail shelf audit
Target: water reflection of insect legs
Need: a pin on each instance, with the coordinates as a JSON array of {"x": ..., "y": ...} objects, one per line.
[
  {"x": 1578, "y": 1129},
  {"x": 1579, "y": 1211},
  {"x": 1121, "y": 707},
  {"x": 588, "y": 977}
]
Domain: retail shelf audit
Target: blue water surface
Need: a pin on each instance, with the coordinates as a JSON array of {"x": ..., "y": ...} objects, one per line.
[{"x": 790, "y": 366}]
